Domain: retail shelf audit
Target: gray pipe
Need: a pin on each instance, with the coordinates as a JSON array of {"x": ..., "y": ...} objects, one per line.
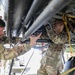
[
  {"x": 19, "y": 9},
  {"x": 32, "y": 10},
  {"x": 53, "y": 7}
]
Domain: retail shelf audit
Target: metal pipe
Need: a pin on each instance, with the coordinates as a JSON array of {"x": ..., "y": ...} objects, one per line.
[
  {"x": 39, "y": 40},
  {"x": 18, "y": 13},
  {"x": 36, "y": 3},
  {"x": 11, "y": 66},
  {"x": 52, "y": 8}
]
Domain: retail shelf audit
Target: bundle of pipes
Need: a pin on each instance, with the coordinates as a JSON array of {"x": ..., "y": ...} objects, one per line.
[
  {"x": 52, "y": 8},
  {"x": 19, "y": 11}
]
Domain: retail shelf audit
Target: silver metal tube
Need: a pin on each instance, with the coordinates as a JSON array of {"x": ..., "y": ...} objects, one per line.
[
  {"x": 52, "y": 8},
  {"x": 18, "y": 12},
  {"x": 32, "y": 10}
]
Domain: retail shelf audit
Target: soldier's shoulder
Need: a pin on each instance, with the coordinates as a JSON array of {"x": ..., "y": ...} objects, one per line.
[{"x": 4, "y": 39}]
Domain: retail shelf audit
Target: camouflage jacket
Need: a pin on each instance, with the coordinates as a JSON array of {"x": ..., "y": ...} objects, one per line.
[
  {"x": 53, "y": 53},
  {"x": 10, "y": 53},
  {"x": 57, "y": 38}
]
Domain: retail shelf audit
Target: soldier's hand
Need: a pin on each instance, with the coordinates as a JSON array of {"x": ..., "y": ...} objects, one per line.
[{"x": 33, "y": 39}]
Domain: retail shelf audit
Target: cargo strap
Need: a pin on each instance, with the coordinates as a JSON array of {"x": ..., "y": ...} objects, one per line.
[
  {"x": 64, "y": 17},
  {"x": 67, "y": 72}
]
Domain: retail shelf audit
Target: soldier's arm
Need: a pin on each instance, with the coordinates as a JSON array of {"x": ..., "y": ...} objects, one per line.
[
  {"x": 57, "y": 39},
  {"x": 11, "y": 53},
  {"x": 19, "y": 50}
]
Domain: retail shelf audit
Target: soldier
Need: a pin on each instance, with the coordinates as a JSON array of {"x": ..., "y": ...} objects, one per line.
[
  {"x": 11, "y": 53},
  {"x": 50, "y": 62}
]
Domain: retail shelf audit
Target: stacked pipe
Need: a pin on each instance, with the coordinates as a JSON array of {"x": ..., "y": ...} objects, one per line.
[{"x": 52, "y": 8}]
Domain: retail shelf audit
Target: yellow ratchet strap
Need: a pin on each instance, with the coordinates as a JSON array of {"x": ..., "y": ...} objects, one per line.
[
  {"x": 70, "y": 16},
  {"x": 64, "y": 17},
  {"x": 67, "y": 72}
]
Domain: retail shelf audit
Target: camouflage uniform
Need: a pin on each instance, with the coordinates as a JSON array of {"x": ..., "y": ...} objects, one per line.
[
  {"x": 11, "y": 53},
  {"x": 50, "y": 62}
]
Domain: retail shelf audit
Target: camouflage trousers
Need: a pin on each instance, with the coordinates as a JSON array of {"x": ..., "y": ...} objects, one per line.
[{"x": 50, "y": 62}]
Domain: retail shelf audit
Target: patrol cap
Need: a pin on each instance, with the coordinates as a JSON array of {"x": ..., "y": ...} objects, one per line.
[{"x": 2, "y": 23}]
